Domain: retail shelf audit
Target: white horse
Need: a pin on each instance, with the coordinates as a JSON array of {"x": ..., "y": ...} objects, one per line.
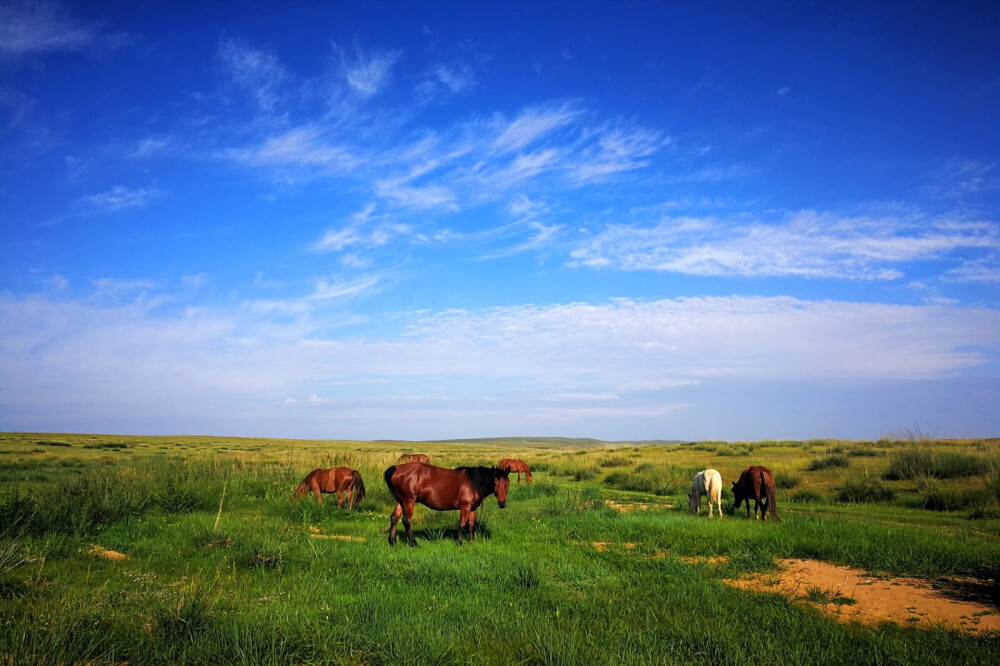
[{"x": 708, "y": 483}]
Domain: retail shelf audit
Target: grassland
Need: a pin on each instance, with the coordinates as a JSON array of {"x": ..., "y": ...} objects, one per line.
[{"x": 220, "y": 565}]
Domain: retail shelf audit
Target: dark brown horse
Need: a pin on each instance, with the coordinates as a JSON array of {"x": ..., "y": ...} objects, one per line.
[
  {"x": 757, "y": 483},
  {"x": 339, "y": 480},
  {"x": 515, "y": 465},
  {"x": 442, "y": 489},
  {"x": 412, "y": 457}
]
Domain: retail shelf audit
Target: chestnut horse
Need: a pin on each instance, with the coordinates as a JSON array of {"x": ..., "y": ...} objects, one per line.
[
  {"x": 441, "y": 489},
  {"x": 412, "y": 457},
  {"x": 756, "y": 482},
  {"x": 515, "y": 465},
  {"x": 339, "y": 480}
]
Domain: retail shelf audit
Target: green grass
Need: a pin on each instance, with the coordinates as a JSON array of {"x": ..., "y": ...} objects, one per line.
[{"x": 252, "y": 583}]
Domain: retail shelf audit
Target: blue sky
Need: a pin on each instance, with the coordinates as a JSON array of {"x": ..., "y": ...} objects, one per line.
[{"x": 441, "y": 220}]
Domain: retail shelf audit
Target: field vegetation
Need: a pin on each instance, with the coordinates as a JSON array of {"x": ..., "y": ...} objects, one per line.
[{"x": 167, "y": 550}]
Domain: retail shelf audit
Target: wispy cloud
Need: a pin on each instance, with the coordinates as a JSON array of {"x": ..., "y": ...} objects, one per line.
[
  {"x": 121, "y": 197},
  {"x": 327, "y": 289},
  {"x": 260, "y": 74},
  {"x": 28, "y": 27},
  {"x": 366, "y": 72},
  {"x": 532, "y": 124},
  {"x": 804, "y": 244}
]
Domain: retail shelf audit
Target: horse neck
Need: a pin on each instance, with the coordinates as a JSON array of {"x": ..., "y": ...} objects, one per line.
[{"x": 482, "y": 480}]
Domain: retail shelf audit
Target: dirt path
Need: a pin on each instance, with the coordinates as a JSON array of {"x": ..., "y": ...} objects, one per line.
[{"x": 852, "y": 596}]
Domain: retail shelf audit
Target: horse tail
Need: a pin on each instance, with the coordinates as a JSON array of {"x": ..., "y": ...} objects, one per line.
[
  {"x": 388, "y": 482},
  {"x": 772, "y": 496},
  {"x": 359, "y": 486}
]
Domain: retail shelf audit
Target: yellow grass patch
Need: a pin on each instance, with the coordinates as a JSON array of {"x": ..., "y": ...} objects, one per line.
[{"x": 99, "y": 551}]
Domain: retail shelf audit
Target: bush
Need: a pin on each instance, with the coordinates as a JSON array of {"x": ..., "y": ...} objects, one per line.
[{"x": 828, "y": 462}]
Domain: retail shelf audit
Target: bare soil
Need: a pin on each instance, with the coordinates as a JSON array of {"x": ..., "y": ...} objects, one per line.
[{"x": 851, "y": 595}]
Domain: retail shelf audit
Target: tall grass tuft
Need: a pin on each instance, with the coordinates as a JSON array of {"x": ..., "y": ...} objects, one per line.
[
  {"x": 828, "y": 462},
  {"x": 917, "y": 462},
  {"x": 864, "y": 489}
]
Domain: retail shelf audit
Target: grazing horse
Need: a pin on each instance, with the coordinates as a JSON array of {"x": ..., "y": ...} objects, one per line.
[
  {"x": 442, "y": 489},
  {"x": 708, "y": 483},
  {"x": 756, "y": 482},
  {"x": 412, "y": 457},
  {"x": 339, "y": 480},
  {"x": 515, "y": 465}
]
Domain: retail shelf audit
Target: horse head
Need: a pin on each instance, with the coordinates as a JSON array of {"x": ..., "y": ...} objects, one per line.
[
  {"x": 737, "y": 494},
  {"x": 501, "y": 480}
]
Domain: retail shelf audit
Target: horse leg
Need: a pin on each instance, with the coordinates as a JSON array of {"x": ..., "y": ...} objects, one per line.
[
  {"x": 472, "y": 527},
  {"x": 319, "y": 495},
  {"x": 518, "y": 478},
  {"x": 393, "y": 519},
  {"x": 763, "y": 509},
  {"x": 463, "y": 519},
  {"x": 340, "y": 498},
  {"x": 350, "y": 498},
  {"x": 407, "y": 517}
]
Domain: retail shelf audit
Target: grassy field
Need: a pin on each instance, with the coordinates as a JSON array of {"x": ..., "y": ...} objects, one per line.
[{"x": 220, "y": 565}]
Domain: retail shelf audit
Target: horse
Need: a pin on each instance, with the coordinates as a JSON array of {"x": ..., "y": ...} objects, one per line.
[
  {"x": 757, "y": 482},
  {"x": 442, "y": 489},
  {"x": 708, "y": 482},
  {"x": 412, "y": 457},
  {"x": 515, "y": 465},
  {"x": 338, "y": 480}
]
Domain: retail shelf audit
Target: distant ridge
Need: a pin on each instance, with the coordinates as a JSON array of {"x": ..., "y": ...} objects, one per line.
[{"x": 580, "y": 442}]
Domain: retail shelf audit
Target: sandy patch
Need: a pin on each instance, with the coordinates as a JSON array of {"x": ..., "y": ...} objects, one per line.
[
  {"x": 98, "y": 551},
  {"x": 852, "y": 596}
]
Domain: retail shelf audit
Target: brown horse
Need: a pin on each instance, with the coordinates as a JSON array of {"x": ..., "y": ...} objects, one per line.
[
  {"x": 412, "y": 457},
  {"x": 515, "y": 465},
  {"x": 441, "y": 489},
  {"x": 756, "y": 482},
  {"x": 339, "y": 480}
]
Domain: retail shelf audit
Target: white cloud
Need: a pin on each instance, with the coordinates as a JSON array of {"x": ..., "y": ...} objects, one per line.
[
  {"x": 36, "y": 27},
  {"x": 345, "y": 289},
  {"x": 99, "y": 358},
  {"x": 300, "y": 147},
  {"x": 120, "y": 197},
  {"x": 804, "y": 244},
  {"x": 531, "y": 125},
  {"x": 260, "y": 74},
  {"x": 367, "y": 73}
]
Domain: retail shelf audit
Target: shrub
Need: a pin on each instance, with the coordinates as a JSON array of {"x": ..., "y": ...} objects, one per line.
[{"x": 828, "y": 462}]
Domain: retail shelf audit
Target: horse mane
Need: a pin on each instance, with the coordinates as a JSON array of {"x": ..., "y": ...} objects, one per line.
[{"x": 482, "y": 478}]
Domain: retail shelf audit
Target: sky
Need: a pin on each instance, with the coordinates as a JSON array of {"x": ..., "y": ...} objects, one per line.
[{"x": 437, "y": 220}]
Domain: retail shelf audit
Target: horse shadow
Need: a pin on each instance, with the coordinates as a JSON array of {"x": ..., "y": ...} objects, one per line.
[{"x": 441, "y": 533}]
